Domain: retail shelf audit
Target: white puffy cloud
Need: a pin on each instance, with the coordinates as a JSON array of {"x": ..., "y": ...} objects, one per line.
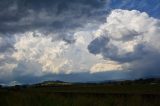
[
  {"x": 41, "y": 49},
  {"x": 126, "y": 30},
  {"x": 129, "y": 37},
  {"x": 59, "y": 56}
]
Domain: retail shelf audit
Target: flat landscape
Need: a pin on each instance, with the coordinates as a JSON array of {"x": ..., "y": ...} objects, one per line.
[{"x": 82, "y": 94}]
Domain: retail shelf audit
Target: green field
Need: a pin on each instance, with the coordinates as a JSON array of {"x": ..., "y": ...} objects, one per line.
[{"x": 82, "y": 95}]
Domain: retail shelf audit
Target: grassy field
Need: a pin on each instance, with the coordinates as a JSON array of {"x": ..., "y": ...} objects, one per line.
[{"x": 82, "y": 95}]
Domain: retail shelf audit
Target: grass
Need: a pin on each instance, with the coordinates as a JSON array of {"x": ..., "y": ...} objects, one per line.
[{"x": 82, "y": 95}]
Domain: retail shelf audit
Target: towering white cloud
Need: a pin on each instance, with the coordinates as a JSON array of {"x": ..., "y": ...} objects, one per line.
[
  {"x": 41, "y": 49},
  {"x": 129, "y": 37},
  {"x": 129, "y": 33}
]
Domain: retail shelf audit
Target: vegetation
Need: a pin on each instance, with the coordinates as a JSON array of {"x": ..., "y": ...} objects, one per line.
[{"x": 121, "y": 93}]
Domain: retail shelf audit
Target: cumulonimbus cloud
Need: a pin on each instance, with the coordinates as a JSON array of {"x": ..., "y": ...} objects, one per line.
[
  {"x": 128, "y": 40},
  {"x": 129, "y": 37}
]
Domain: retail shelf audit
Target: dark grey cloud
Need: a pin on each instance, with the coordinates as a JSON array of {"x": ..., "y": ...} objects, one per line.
[
  {"x": 23, "y": 15},
  {"x": 98, "y": 45},
  {"x": 102, "y": 46}
]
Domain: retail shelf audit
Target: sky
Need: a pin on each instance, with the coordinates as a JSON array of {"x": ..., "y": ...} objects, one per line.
[{"x": 78, "y": 40}]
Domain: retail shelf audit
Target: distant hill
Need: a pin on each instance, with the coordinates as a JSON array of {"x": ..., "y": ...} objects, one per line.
[
  {"x": 137, "y": 81},
  {"x": 52, "y": 83},
  {"x": 123, "y": 82},
  {"x": 151, "y": 81}
]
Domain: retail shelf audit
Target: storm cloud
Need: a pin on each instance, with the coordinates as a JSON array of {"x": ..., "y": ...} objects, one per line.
[
  {"x": 132, "y": 40},
  {"x": 80, "y": 40},
  {"x": 46, "y": 15}
]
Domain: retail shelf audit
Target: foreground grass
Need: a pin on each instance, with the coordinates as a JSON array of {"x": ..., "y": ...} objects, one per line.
[{"x": 82, "y": 95}]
